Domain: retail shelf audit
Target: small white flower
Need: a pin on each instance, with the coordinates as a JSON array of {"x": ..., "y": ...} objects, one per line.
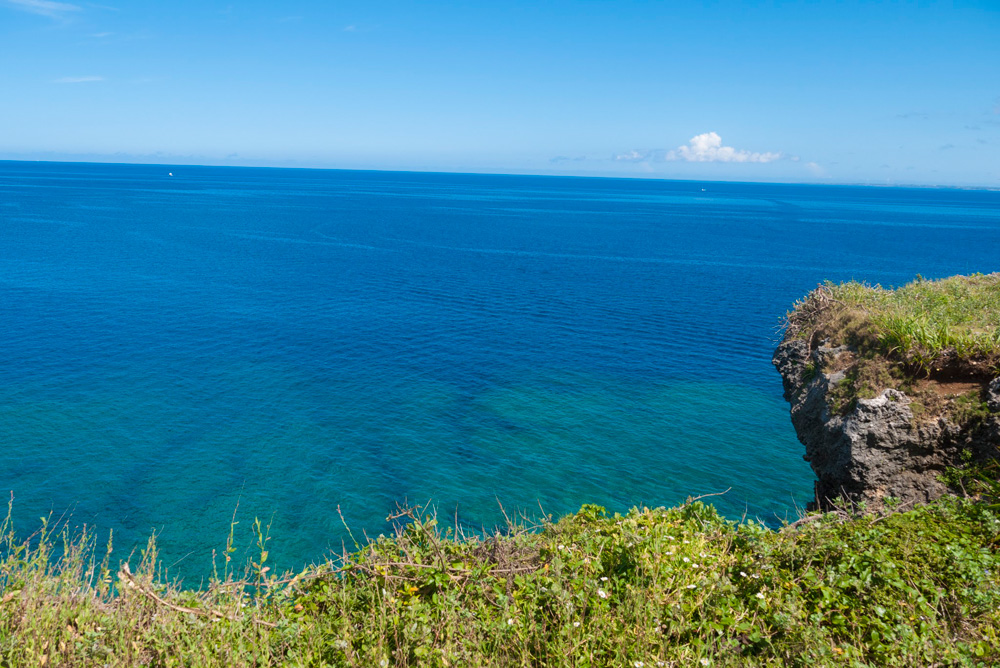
[
  {"x": 576, "y": 625},
  {"x": 755, "y": 576},
  {"x": 695, "y": 566},
  {"x": 510, "y": 622},
  {"x": 687, "y": 542},
  {"x": 562, "y": 547},
  {"x": 742, "y": 574},
  {"x": 604, "y": 579},
  {"x": 702, "y": 555},
  {"x": 760, "y": 595},
  {"x": 686, "y": 560},
  {"x": 638, "y": 664},
  {"x": 705, "y": 662},
  {"x": 691, "y": 586},
  {"x": 602, "y": 593},
  {"x": 670, "y": 552}
]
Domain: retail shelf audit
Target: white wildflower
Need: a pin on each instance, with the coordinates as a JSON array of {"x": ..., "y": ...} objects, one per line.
[
  {"x": 760, "y": 595},
  {"x": 602, "y": 593},
  {"x": 510, "y": 622},
  {"x": 604, "y": 579},
  {"x": 576, "y": 625},
  {"x": 705, "y": 662},
  {"x": 686, "y": 560},
  {"x": 691, "y": 586},
  {"x": 743, "y": 574}
]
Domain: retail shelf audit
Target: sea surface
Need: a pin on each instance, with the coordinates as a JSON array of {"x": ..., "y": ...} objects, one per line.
[{"x": 282, "y": 344}]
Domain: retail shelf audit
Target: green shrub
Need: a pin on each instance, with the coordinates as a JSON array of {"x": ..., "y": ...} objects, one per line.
[{"x": 672, "y": 587}]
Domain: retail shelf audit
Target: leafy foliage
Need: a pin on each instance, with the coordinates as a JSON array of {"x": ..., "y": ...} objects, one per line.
[{"x": 654, "y": 587}]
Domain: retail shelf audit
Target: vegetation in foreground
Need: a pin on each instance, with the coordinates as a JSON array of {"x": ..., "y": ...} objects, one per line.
[
  {"x": 944, "y": 332},
  {"x": 655, "y": 587}
]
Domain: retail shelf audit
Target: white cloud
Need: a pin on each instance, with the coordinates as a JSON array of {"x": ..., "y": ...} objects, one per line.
[
  {"x": 817, "y": 170},
  {"x": 708, "y": 147},
  {"x": 44, "y": 7},
  {"x": 633, "y": 156},
  {"x": 71, "y": 80}
]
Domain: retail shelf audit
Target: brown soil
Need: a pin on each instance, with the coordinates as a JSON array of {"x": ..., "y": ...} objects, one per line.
[{"x": 949, "y": 389}]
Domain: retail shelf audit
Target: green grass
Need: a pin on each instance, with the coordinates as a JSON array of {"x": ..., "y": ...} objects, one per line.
[
  {"x": 655, "y": 587},
  {"x": 924, "y": 323}
]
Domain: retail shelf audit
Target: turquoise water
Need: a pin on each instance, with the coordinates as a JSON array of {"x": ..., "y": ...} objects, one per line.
[{"x": 298, "y": 340}]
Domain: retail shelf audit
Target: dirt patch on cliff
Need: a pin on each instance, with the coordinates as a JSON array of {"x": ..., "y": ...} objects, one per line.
[{"x": 949, "y": 389}]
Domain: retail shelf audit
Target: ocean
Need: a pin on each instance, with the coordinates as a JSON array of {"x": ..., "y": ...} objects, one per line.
[{"x": 313, "y": 347}]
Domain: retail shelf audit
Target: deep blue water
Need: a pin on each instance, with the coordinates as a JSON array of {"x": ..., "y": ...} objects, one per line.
[{"x": 297, "y": 340}]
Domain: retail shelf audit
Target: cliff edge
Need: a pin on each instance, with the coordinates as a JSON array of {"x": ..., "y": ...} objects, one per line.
[{"x": 890, "y": 388}]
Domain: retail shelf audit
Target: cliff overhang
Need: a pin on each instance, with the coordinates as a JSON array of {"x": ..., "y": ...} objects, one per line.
[{"x": 891, "y": 388}]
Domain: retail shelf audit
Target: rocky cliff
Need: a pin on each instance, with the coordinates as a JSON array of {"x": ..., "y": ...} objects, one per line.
[{"x": 883, "y": 420}]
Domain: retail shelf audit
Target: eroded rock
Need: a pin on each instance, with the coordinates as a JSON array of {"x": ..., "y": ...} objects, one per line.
[{"x": 869, "y": 449}]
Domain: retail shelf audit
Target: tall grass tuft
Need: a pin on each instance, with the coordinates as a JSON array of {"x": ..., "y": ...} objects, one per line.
[{"x": 923, "y": 323}]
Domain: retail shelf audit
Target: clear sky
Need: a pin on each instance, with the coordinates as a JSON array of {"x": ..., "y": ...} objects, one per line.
[{"x": 839, "y": 92}]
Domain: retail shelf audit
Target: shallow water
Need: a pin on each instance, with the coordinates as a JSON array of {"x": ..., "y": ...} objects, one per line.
[{"x": 299, "y": 340}]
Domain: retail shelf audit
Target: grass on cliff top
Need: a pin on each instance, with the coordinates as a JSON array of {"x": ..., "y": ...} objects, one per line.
[
  {"x": 655, "y": 587},
  {"x": 920, "y": 323}
]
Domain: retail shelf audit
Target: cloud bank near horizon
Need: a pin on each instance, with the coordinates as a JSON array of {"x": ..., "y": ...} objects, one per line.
[{"x": 707, "y": 147}]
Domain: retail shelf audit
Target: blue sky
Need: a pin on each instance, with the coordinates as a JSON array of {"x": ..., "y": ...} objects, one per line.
[{"x": 838, "y": 92}]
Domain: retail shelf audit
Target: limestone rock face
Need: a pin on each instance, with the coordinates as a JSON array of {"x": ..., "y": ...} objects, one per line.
[{"x": 877, "y": 448}]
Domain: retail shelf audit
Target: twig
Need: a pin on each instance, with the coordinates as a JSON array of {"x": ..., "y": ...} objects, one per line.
[
  {"x": 127, "y": 574},
  {"x": 693, "y": 499}
]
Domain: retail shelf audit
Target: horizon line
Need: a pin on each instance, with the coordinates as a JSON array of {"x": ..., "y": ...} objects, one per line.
[{"x": 638, "y": 177}]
